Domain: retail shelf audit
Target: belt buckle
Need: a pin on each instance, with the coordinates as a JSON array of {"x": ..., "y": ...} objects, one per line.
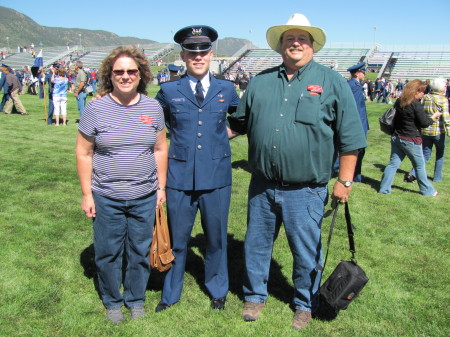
[{"x": 283, "y": 184}]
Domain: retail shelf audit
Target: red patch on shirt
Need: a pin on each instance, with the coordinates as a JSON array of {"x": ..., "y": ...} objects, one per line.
[
  {"x": 315, "y": 89},
  {"x": 146, "y": 119}
]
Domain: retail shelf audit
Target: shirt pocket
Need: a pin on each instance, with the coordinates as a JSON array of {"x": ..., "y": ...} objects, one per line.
[
  {"x": 308, "y": 110},
  {"x": 179, "y": 114}
]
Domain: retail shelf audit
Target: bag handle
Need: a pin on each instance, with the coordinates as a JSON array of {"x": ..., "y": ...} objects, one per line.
[{"x": 351, "y": 242}]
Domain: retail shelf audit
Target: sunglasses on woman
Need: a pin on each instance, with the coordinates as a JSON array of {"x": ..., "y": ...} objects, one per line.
[{"x": 130, "y": 72}]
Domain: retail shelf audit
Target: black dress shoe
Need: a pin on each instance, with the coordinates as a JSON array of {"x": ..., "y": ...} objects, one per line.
[
  {"x": 162, "y": 306},
  {"x": 218, "y": 303}
]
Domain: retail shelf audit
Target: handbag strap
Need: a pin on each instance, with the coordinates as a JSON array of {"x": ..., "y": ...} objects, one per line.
[{"x": 351, "y": 234}]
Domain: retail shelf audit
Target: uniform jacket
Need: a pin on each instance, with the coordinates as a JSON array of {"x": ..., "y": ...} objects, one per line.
[
  {"x": 199, "y": 153},
  {"x": 358, "y": 93},
  {"x": 3, "y": 84}
]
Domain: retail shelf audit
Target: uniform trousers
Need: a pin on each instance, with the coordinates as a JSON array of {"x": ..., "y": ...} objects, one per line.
[{"x": 182, "y": 207}]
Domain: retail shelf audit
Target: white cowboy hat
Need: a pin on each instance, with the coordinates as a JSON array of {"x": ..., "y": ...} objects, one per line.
[{"x": 296, "y": 21}]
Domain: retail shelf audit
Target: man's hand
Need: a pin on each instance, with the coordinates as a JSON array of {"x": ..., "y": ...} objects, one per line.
[{"x": 340, "y": 192}]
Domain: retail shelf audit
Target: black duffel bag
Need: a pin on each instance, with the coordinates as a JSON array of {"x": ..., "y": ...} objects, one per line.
[{"x": 346, "y": 281}]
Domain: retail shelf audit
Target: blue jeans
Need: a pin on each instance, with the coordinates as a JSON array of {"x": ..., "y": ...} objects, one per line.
[
  {"x": 123, "y": 226},
  {"x": 94, "y": 85},
  {"x": 439, "y": 142},
  {"x": 300, "y": 208},
  {"x": 399, "y": 149},
  {"x": 81, "y": 102}
]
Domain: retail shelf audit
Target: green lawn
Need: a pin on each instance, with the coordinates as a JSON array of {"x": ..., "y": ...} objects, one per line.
[{"x": 47, "y": 283}]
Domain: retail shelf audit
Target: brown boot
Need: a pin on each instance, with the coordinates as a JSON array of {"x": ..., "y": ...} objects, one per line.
[
  {"x": 301, "y": 319},
  {"x": 252, "y": 311}
]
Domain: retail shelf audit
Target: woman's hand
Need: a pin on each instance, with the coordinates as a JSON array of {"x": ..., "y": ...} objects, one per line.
[
  {"x": 88, "y": 206},
  {"x": 436, "y": 116},
  {"x": 160, "y": 197}
]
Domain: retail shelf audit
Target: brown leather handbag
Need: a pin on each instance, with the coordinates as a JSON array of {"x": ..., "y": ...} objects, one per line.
[{"x": 161, "y": 256}]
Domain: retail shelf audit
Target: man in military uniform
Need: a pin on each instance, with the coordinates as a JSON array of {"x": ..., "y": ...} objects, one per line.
[
  {"x": 358, "y": 72},
  {"x": 199, "y": 175},
  {"x": 173, "y": 72},
  {"x": 3, "y": 85}
]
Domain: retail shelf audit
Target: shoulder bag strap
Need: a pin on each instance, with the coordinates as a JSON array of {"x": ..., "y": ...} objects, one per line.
[{"x": 350, "y": 232}]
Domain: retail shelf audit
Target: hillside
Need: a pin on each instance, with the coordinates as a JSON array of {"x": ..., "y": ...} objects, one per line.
[{"x": 22, "y": 31}]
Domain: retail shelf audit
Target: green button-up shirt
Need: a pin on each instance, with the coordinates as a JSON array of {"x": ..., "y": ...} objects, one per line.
[{"x": 296, "y": 128}]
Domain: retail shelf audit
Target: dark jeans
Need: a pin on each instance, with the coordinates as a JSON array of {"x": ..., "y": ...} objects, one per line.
[{"x": 123, "y": 226}]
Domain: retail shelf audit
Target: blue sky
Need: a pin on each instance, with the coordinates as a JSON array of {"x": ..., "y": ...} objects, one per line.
[{"x": 413, "y": 22}]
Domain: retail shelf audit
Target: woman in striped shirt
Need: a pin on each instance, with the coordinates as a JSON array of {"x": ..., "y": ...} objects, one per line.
[{"x": 122, "y": 167}]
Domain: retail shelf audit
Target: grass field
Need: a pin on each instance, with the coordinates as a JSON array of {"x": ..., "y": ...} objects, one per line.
[{"x": 47, "y": 278}]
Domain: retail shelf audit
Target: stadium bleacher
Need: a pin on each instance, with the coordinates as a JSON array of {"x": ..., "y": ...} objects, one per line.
[
  {"x": 91, "y": 57},
  {"x": 421, "y": 65},
  {"x": 393, "y": 64},
  {"x": 405, "y": 65}
]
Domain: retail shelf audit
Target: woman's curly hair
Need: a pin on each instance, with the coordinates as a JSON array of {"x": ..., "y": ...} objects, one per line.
[{"x": 105, "y": 70}]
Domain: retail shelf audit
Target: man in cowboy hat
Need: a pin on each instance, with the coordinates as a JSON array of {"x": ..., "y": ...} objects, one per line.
[
  {"x": 199, "y": 176},
  {"x": 298, "y": 117}
]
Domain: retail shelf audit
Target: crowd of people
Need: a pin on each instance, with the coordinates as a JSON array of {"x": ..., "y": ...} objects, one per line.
[
  {"x": 304, "y": 123},
  {"x": 47, "y": 83}
]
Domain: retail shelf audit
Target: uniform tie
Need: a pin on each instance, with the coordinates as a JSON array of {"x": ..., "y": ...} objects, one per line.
[{"x": 199, "y": 92}]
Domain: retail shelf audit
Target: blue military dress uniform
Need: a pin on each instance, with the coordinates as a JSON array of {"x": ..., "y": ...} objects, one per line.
[
  {"x": 4, "y": 86},
  {"x": 199, "y": 177},
  {"x": 358, "y": 93}
]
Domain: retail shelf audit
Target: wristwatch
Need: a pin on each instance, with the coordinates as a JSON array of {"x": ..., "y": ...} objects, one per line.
[{"x": 346, "y": 183}]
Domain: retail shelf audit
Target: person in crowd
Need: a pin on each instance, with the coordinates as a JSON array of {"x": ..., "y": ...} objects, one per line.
[
  {"x": 358, "y": 72},
  {"x": 199, "y": 176},
  {"x": 122, "y": 166},
  {"x": 365, "y": 87},
  {"x": 41, "y": 82},
  {"x": 33, "y": 82},
  {"x": 242, "y": 83},
  {"x": 371, "y": 90},
  {"x": 298, "y": 117},
  {"x": 390, "y": 92},
  {"x": 3, "y": 85},
  {"x": 14, "y": 87},
  {"x": 94, "y": 81},
  {"x": 89, "y": 80},
  {"x": 59, "y": 94},
  {"x": 78, "y": 90},
  {"x": 406, "y": 140},
  {"x": 435, "y": 101},
  {"x": 173, "y": 72},
  {"x": 399, "y": 88},
  {"x": 382, "y": 91},
  {"x": 427, "y": 83},
  {"x": 50, "y": 85}
]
